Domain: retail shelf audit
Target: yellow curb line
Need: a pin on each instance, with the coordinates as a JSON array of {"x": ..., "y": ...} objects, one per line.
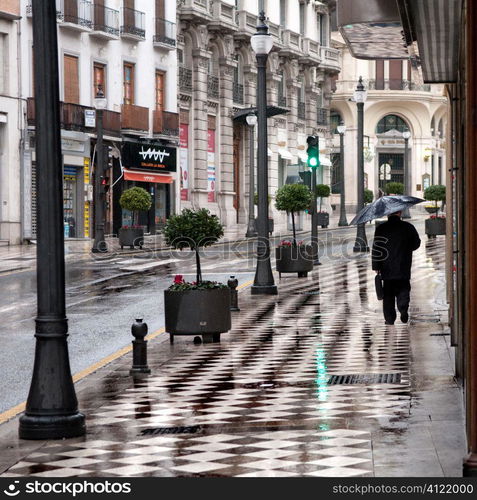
[{"x": 12, "y": 412}]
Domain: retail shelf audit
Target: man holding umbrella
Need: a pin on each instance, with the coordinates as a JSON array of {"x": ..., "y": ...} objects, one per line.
[{"x": 394, "y": 242}]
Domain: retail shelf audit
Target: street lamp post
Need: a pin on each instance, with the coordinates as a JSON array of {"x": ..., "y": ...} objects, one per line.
[
  {"x": 262, "y": 44},
  {"x": 407, "y": 174},
  {"x": 51, "y": 408},
  {"x": 342, "y": 130},
  {"x": 360, "y": 95},
  {"x": 251, "y": 230},
  {"x": 99, "y": 244}
]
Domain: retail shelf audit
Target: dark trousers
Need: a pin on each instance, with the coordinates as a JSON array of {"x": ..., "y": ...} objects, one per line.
[{"x": 395, "y": 292}]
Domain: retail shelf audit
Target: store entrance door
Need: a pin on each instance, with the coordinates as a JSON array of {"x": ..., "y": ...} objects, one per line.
[
  {"x": 396, "y": 162},
  {"x": 70, "y": 216}
]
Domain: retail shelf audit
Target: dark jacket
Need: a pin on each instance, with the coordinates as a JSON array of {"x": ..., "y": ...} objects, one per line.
[{"x": 394, "y": 242}]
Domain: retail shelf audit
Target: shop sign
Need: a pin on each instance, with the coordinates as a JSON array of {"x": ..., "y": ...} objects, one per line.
[
  {"x": 150, "y": 157},
  {"x": 90, "y": 118},
  {"x": 184, "y": 161},
  {"x": 211, "y": 166}
]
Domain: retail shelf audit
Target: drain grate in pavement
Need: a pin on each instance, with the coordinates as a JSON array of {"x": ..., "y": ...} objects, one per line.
[
  {"x": 365, "y": 378},
  {"x": 188, "y": 429}
]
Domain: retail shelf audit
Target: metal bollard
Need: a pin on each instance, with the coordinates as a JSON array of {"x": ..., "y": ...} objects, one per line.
[
  {"x": 232, "y": 284},
  {"x": 139, "y": 331}
]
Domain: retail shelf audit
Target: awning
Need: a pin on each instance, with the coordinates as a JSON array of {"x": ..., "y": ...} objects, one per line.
[
  {"x": 241, "y": 115},
  {"x": 286, "y": 155},
  {"x": 131, "y": 175}
]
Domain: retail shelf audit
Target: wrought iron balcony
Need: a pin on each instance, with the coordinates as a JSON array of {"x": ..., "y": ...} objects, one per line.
[
  {"x": 238, "y": 93},
  {"x": 165, "y": 123},
  {"x": 301, "y": 110},
  {"x": 397, "y": 84},
  {"x": 165, "y": 33},
  {"x": 105, "y": 21},
  {"x": 322, "y": 117},
  {"x": 213, "y": 87},
  {"x": 133, "y": 26},
  {"x": 185, "y": 79},
  {"x": 75, "y": 14}
]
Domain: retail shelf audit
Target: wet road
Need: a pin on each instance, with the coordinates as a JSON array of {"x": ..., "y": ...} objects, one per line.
[{"x": 103, "y": 298}]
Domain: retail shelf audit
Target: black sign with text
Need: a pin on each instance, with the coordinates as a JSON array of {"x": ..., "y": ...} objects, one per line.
[{"x": 149, "y": 157}]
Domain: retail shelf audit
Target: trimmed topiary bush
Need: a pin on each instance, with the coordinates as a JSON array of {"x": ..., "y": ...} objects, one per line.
[
  {"x": 435, "y": 193},
  {"x": 368, "y": 196},
  {"x": 322, "y": 191},
  {"x": 394, "y": 188},
  {"x": 135, "y": 199},
  {"x": 293, "y": 198},
  {"x": 193, "y": 229}
]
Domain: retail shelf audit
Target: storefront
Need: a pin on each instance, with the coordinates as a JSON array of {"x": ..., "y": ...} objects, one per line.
[{"x": 153, "y": 167}]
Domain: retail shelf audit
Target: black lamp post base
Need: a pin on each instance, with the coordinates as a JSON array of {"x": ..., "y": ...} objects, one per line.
[
  {"x": 343, "y": 223},
  {"x": 359, "y": 247},
  {"x": 52, "y": 426},
  {"x": 264, "y": 290},
  {"x": 251, "y": 233}
]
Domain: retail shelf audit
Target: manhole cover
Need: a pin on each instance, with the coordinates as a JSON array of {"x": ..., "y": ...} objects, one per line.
[
  {"x": 365, "y": 378},
  {"x": 188, "y": 429}
]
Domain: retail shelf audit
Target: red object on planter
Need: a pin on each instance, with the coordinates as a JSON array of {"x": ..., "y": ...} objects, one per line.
[{"x": 178, "y": 279}]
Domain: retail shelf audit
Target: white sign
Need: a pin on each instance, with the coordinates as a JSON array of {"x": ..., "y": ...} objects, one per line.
[{"x": 90, "y": 118}]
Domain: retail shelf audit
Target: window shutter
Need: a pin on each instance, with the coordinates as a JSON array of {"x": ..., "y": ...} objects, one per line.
[
  {"x": 395, "y": 74},
  {"x": 71, "y": 79}
]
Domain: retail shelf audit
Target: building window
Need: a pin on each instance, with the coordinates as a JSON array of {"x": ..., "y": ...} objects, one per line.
[
  {"x": 71, "y": 79},
  {"x": 99, "y": 78},
  {"x": 335, "y": 120},
  {"x": 391, "y": 122},
  {"x": 283, "y": 13},
  {"x": 282, "y": 171},
  {"x": 128, "y": 83},
  {"x": 301, "y": 101},
  {"x": 282, "y": 90},
  {"x": 335, "y": 173},
  {"x": 160, "y": 80},
  {"x": 379, "y": 82},
  {"x": 302, "y": 18},
  {"x": 238, "y": 90},
  {"x": 395, "y": 75},
  {"x": 3, "y": 64},
  {"x": 322, "y": 24}
]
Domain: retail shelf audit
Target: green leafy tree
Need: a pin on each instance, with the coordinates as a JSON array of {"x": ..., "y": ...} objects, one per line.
[
  {"x": 293, "y": 198},
  {"x": 135, "y": 199},
  {"x": 193, "y": 229},
  {"x": 323, "y": 191},
  {"x": 368, "y": 196},
  {"x": 435, "y": 193},
  {"x": 394, "y": 188}
]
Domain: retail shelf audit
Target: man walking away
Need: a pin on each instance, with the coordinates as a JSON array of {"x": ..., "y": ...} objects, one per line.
[{"x": 394, "y": 242}]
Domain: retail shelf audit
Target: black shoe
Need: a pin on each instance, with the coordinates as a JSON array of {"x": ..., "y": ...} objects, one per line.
[
  {"x": 404, "y": 317},
  {"x": 388, "y": 323}
]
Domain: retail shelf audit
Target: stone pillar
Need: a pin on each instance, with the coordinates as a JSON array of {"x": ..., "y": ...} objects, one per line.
[{"x": 198, "y": 167}]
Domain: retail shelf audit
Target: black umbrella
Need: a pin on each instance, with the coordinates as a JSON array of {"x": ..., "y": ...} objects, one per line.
[{"x": 386, "y": 205}]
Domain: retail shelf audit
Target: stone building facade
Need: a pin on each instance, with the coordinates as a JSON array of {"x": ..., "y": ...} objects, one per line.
[{"x": 217, "y": 82}]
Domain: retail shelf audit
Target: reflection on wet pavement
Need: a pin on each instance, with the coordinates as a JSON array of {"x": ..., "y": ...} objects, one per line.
[{"x": 260, "y": 403}]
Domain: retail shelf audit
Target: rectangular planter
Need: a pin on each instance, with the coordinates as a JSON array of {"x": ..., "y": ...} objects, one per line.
[
  {"x": 435, "y": 227},
  {"x": 323, "y": 219},
  {"x": 131, "y": 237},
  {"x": 294, "y": 259}
]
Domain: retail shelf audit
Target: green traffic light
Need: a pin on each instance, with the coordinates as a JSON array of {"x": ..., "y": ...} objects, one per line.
[{"x": 313, "y": 161}]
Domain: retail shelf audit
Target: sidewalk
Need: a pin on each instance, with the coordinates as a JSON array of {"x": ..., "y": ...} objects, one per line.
[{"x": 273, "y": 398}]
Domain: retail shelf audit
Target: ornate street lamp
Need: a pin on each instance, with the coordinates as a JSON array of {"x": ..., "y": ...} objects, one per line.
[
  {"x": 251, "y": 230},
  {"x": 360, "y": 96},
  {"x": 51, "y": 408},
  {"x": 341, "y": 128},
  {"x": 407, "y": 173},
  {"x": 99, "y": 245},
  {"x": 262, "y": 44}
]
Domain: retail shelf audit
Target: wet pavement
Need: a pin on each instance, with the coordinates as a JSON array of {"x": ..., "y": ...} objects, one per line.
[{"x": 309, "y": 383}]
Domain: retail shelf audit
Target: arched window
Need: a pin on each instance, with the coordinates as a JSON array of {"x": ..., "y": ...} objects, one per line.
[
  {"x": 391, "y": 122},
  {"x": 335, "y": 119},
  {"x": 282, "y": 90}
]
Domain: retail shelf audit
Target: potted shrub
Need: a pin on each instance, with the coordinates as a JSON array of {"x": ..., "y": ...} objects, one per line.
[
  {"x": 394, "y": 188},
  {"x": 135, "y": 199},
  {"x": 199, "y": 307},
  {"x": 435, "y": 224},
  {"x": 323, "y": 217},
  {"x": 368, "y": 196},
  {"x": 293, "y": 256}
]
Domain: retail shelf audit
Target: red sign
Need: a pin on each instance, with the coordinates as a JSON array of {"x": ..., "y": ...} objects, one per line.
[
  {"x": 211, "y": 181},
  {"x": 184, "y": 160}
]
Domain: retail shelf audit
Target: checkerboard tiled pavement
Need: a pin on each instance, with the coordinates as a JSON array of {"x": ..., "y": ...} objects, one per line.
[{"x": 259, "y": 403}]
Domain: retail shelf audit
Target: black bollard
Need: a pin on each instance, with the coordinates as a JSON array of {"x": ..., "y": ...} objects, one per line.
[
  {"x": 139, "y": 331},
  {"x": 232, "y": 284}
]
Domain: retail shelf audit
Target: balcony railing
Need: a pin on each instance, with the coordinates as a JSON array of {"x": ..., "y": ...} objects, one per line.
[
  {"x": 238, "y": 93},
  {"x": 165, "y": 123},
  {"x": 397, "y": 84},
  {"x": 322, "y": 116},
  {"x": 165, "y": 32},
  {"x": 134, "y": 118},
  {"x": 301, "y": 110},
  {"x": 133, "y": 24},
  {"x": 105, "y": 19},
  {"x": 78, "y": 12},
  {"x": 185, "y": 79},
  {"x": 213, "y": 87}
]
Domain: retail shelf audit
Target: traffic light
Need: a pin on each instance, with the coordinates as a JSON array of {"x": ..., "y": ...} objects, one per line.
[
  {"x": 105, "y": 184},
  {"x": 313, "y": 151}
]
